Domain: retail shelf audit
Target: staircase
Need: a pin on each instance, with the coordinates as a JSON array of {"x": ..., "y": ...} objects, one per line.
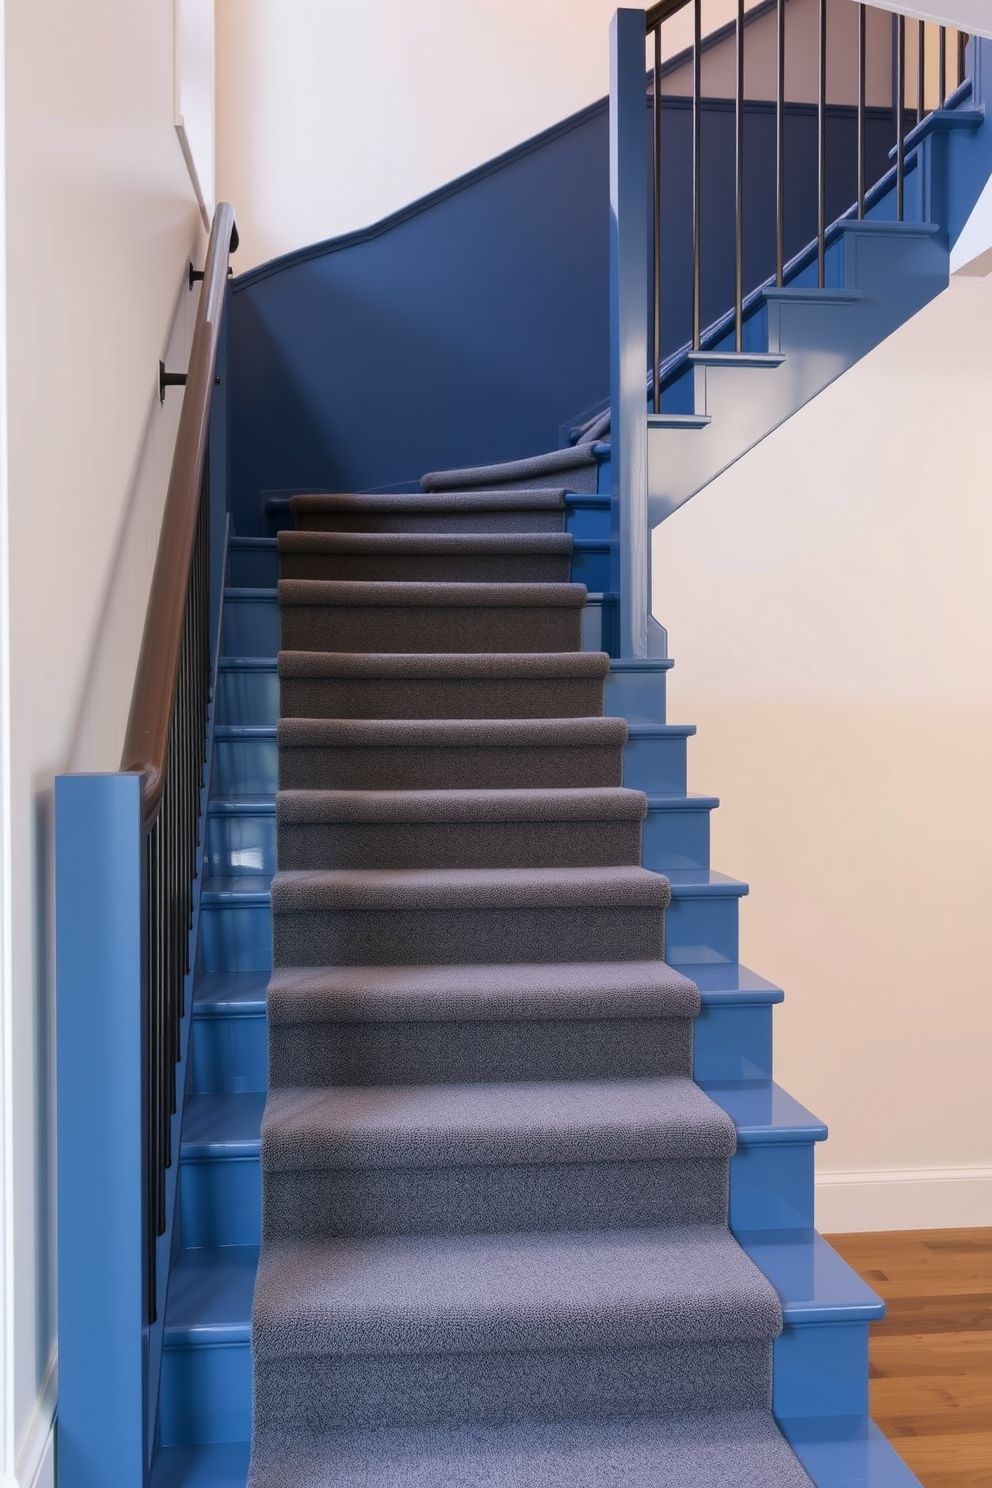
[
  {"x": 484, "y": 1175},
  {"x": 490, "y": 1183}
]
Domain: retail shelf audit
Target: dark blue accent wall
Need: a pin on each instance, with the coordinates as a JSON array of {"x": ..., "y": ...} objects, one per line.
[{"x": 472, "y": 325}]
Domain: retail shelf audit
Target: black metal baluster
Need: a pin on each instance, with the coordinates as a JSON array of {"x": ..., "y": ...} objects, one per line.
[
  {"x": 697, "y": 65},
  {"x": 780, "y": 143},
  {"x": 739, "y": 185},
  {"x": 942, "y": 66},
  {"x": 900, "y": 91},
  {"x": 962, "y": 44},
  {"x": 656, "y": 221},
  {"x": 821, "y": 146},
  {"x": 862, "y": 64},
  {"x": 921, "y": 71}
]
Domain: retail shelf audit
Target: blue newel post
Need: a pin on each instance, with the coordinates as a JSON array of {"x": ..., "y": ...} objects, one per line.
[{"x": 629, "y": 329}]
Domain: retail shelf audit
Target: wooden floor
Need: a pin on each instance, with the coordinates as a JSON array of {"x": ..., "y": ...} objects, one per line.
[{"x": 931, "y": 1356}]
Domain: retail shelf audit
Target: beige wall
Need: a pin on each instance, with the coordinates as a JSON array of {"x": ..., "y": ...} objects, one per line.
[
  {"x": 332, "y": 115},
  {"x": 100, "y": 217},
  {"x": 827, "y": 601}
]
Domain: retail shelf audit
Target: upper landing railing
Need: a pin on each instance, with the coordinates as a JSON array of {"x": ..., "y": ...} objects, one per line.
[
  {"x": 128, "y": 858},
  {"x": 639, "y": 70}
]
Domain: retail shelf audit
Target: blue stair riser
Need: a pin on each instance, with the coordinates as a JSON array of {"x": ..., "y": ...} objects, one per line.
[
  {"x": 251, "y": 623},
  {"x": 237, "y": 936},
  {"x": 255, "y": 565},
  {"x": 230, "y": 1051},
  {"x": 205, "y": 1393},
  {"x": 820, "y": 1369},
  {"x": 246, "y": 764},
  {"x": 771, "y": 1188},
  {"x": 252, "y": 563},
  {"x": 230, "y": 1054},
  {"x": 248, "y": 693},
  {"x": 588, "y": 517},
  {"x": 243, "y": 841},
  {"x": 732, "y": 1041}
]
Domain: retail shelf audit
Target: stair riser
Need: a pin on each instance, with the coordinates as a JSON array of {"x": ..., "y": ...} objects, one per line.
[
  {"x": 252, "y": 567},
  {"x": 460, "y": 845},
  {"x": 591, "y": 565},
  {"x": 237, "y": 938},
  {"x": 205, "y": 1394},
  {"x": 426, "y": 698},
  {"x": 251, "y": 625},
  {"x": 245, "y": 767},
  {"x": 248, "y": 697},
  {"x": 819, "y": 1370},
  {"x": 599, "y": 626},
  {"x": 231, "y": 1053},
  {"x": 423, "y": 937},
  {"x": 245, "y": 843},
  {"x": 438, "y": 568},
  {"x": 634, "y": 694},
  {"x": 676, "y": 839},
  {"x": 424, "y": 1390},
  {"x": 657, "y": 766},
  {"x": 588, "y": 517},
  {"x": 427, "y": 768},
  {"x": 407, "y": 628},
  {"x": 439, "y": 521},
  {"x": 698, "y": 927},
  {"x": 770, "y": 1188},
  {"x": 424, "y": 1053},
  {"x": 733, "y": 1042},
  {"x": 455, "y": 1200}
]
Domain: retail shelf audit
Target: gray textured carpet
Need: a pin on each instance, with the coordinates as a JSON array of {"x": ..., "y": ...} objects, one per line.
[
  {"x": 495, "y": 1246},
  {"x": 576, "y": 463}
]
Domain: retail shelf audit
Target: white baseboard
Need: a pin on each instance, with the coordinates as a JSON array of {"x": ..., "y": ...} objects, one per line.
[
  {"x": 35, "y": 1466},
  {"x": 903, "y": 1199}
]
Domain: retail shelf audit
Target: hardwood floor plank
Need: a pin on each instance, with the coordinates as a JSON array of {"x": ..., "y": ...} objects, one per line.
[{"x": 931, "y": 1356}]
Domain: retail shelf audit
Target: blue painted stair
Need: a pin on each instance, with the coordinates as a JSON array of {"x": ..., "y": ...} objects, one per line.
[{"x": 820, "y": 1374}]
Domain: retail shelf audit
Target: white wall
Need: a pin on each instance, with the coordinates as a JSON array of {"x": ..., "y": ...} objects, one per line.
[
  {"x": 101, "y": 217},
  {"x": 331, "y": 115},
  {"x": 827, "y": 601}
]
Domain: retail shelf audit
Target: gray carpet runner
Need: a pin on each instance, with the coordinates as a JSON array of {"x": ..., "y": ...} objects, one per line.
[{"x": 494, "y": 1236}]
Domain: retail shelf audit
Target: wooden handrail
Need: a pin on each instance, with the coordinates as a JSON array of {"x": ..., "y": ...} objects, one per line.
[{"x": 146, "y": 742}]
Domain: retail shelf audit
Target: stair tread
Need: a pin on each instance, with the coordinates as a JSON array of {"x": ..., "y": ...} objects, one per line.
[
  {"x": 550, "y": 499},
  {"x": 474, "y": 476},
  {"x": 220, "y": 994},
  {"x": 509, "y": 1291},
  {"x": 485, "y": 888},
  {"x": 457, "y": 733},
  {"x": 763, "y": 1112},
  {"x": 664, "y": 1452},
  {"x": 482, "y": 1124},
  {"x": 846, "y": 1452},
  {"x": 294, "y": 541},
  {"x": 393, "y": 593},
  {"x": 759, "y": 1112},
  {"x": 814, "y": 1283},
  {"x": 579, "y": 802},
  {"x": 685, "y": 883},
  {"x": 211, "y": 1290},
  {"x": 720, "y": 980},
  {"x": 592, "y": 803},
  {"x": 585, "y": 989},
  {"x": 443, "y": 664}
]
